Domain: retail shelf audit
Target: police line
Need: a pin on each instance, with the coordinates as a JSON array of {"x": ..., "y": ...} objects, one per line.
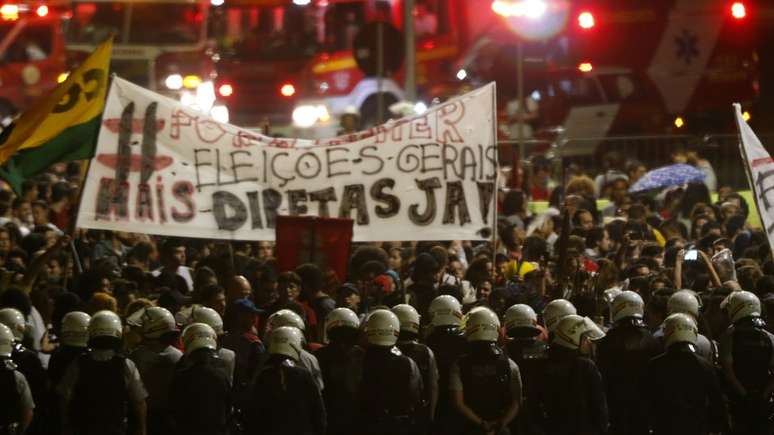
[{"x": 163, "y": 168}]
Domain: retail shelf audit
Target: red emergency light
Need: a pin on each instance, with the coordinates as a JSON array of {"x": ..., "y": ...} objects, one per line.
[
  {"x": 42, "y": 10},
  {"x": 586, "y": 20},
  {"x": 226, "y": 90},
  {"x": 738, "y": 10},
  {"x": 287, "y": 90},
  {"x": 9, "y": 12},
  {"x": 585, "y": 67}
]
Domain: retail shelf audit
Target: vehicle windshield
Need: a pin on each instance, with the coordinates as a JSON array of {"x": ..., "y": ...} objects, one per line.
[
  {"x": 275, "y": 33},
  {"x": 290, "y": 31},
  {"x": 30, "y": 41},
  {"x": 136, "y": 23}
]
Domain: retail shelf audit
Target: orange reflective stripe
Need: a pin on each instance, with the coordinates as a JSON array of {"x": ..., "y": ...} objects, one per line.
[
  {"x": 349, "y": 62},
  {"x": 334, "y": 65}
]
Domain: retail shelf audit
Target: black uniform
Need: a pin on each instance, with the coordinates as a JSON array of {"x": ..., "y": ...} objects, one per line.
[
  {"x": 622, "y": 358},
  {"x": 61, "y": 358},
  {"x": 200, "y": 394},
  {"x": 286, "y": 400},
  {"x": 683, "y": 394},
  {"x": 747, "y": 349},
  {"x": 100, "y": 398},
  {"x": 390, "y": 394},
  {"x": 428, "y": 369},
  {"x": 10, "y": 396},
  {"x": 531, "y": 356},
  {"x": 487, "y": 383},
  {"x": 573, "y": 397},
  {"x": 447, "y": 344},
  {"x": 341, "y": 367},
  {"x": 29, "y": 365}
]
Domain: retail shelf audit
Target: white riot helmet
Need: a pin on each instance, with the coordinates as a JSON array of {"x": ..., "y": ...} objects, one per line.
[
  {"x": 199, "y": 336},
  {"x": 627, "y": 304},
  {"x": 521, "y": 317},
  {"x": 408, "y": 317},
  {"x": 684, "y": 301},
  {"x": 571, "y": 329},
  {"x": 286, "y": 340},
  {"x": 285, "y": 318},
  {"x": 208, "y": 316},
  {"x": 6, "y": 341},
  {"x": 105, "y": 324},
  {"x": 482, "y": 325},
  {"x": 445, "y": 310},
  {"x": 680, "y": 327},
  {"x": 14, "y": 319},
  {"x": 153, "y": 321},
  {"x": 555, "y": 310},
  {"x": 382, "y": 328},
  {"x": 341, "y": 318},
  {"x": 743, "y": 304},
  {"x": 75, "y": 329}
]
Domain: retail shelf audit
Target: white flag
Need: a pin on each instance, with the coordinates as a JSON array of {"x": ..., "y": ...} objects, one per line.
[{"x": 760, "y": 171}]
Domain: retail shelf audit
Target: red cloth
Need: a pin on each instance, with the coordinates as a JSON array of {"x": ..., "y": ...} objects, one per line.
[{"x": 308, "y": 239}]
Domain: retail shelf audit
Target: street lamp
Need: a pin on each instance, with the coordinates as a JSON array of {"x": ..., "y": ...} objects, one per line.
[{"x": 526, "y": 17}]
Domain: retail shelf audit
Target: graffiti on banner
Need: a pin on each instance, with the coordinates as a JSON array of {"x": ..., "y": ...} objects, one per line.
[{"x": 163, "y": 168}]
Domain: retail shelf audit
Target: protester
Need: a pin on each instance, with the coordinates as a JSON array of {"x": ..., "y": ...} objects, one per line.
[{"x": 627, "y": 268}]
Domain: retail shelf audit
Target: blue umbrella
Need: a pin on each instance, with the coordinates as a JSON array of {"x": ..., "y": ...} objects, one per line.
[{"x": 672, "y": 175}]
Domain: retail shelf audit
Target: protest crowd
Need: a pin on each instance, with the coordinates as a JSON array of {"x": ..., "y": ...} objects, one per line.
[{"x": 650, "y": 315}]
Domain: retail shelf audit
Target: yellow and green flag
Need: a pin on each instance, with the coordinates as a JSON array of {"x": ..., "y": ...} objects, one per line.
[{"x": 60, "y": 127}]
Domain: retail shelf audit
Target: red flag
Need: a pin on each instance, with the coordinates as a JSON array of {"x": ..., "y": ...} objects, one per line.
[{"x": 309, "y": 239}]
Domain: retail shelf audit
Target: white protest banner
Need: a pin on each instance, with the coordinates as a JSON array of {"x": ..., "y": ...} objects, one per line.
[
  {"x": 163, "y": 168},
  {"x": 760, "y": 172}
]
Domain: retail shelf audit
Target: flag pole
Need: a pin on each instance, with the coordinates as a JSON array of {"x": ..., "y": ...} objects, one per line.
[
  {"x": 85, "y": 170},
  {"x": 496, "y": 173},
  {"x": 746, "y": 163}
]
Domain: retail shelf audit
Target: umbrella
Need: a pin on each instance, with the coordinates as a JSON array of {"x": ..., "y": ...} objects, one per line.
[{"x": 672, "y": 175}]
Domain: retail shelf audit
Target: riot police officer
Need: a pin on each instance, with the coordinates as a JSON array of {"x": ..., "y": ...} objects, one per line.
[
  {"x": 555, "y": 310},
  {"x": 485, "y": 383},
  {"x": 687, "y": 302},
  {"x": 747, "y": 358},
  {"x": 290, "y": 318},
  {"x": 573, "y": 395},
  {"x": 28, "y": 363},
  {"x": 208, "y": 316},
  {"x": 341, "y": 362},
  {"x": 447, "y": 343},
  {"x": 530, "y": 354},
  {"x": 622, "y": 357},
  {"x": 285, "y": 398},
  {"x": 156, "y": 358},
  {"x": 17, "y": 405},
  {"x": 101, "y": 387},
  {"x": 409, "y": 345},
  {"x": 200, "y": 393},
  {"x": 390, "y": 393},
  {"x": 74, "y": 339},
  {"x": 681, "y": 389}
]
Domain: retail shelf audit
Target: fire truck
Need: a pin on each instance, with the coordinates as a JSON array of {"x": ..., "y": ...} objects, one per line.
[
  {"x": 292, "y": 63},
  {"x": 32, "y": 54},
  {"x": 623, "y": 68},
  {"x": 161, "y": 45}
]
